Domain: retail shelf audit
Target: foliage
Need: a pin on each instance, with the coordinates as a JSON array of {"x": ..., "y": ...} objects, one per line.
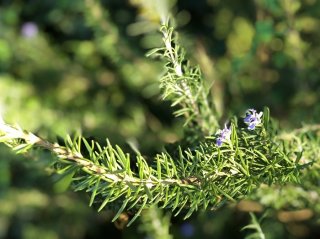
[
  {"x": 202, "y": 177},
  {"x": 263, "y": 53},
  {"x": 255, "y": 225},
  {"x": 184, "y": 86}
]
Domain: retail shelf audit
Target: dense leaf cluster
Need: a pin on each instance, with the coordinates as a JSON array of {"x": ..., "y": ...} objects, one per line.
[{"x": 186, "y": 180}]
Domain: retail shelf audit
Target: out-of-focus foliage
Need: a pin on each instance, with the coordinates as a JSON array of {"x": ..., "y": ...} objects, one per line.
[{"x": 69, "y": 66}]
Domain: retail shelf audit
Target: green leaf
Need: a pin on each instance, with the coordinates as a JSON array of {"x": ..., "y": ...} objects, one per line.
[
  {"x": 145, "y": 200},
  {"x": 158, "y": 168},
  {"x": 22, "y": 148},
  {"x": 90, "y": 149},
  {"x": 299, "y": 156},
  {"x": 124, "y": 204},
  {"x": 94, "y": 193},
  {"x": 154, "y": 52},
  {"x": 266, "y": 117},
  {"x": 65, "y": 180},
  {"x": 148, "y": 192},
  {"x": 105, "y": 202}
]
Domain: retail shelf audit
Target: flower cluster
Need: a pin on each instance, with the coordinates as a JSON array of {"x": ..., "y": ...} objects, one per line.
[
  {"x": 252, "y": 119},
  {"x": 223, "y": 135}
]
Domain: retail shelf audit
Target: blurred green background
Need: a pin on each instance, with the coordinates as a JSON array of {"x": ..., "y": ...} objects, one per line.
[{"x": 80, "y": 66}]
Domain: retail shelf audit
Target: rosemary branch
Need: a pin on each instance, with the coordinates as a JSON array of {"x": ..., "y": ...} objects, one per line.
[
  {"x": 204, "y": 176},
  {"x": 14, "y": 133},
  {"x": 184, "y": 86}
]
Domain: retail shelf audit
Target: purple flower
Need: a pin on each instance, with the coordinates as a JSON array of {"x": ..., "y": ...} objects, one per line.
[
  {"x": 219, "y": 141},
  {"x": 223, "y": 135},
  {"x": 252, "y": 118},
  {"x": 29, "y": 29}
]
